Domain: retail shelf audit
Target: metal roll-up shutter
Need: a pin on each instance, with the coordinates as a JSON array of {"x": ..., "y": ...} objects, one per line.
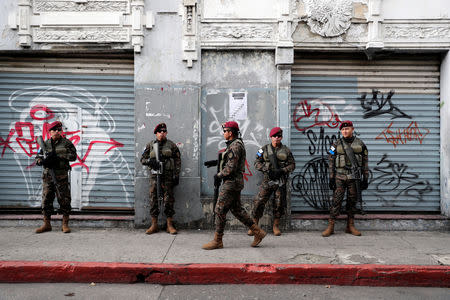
[
  {"x": 393, "y": 101},
  {"x": 94, "y": 98}
]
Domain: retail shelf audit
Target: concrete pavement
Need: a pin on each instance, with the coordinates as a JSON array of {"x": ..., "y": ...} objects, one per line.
[{"x": 392, "y": 251}]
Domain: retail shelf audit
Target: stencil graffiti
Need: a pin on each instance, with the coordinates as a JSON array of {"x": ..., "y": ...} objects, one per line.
[
  {"x": 314, "y": 113},
  {"x": 390, "y": 176},
  {"x": 90, "y": 127},
  {"x": 403, "y": 135},
  {"x": 380, "y": 104}
]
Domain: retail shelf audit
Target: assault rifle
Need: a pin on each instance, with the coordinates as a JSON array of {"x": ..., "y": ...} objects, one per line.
[
  {"x": 213, "y": 163},
  {"x": 355, "y": 172},
  {"x": 159, "y": 173},
  {"x": 44, "y": 156},
  {"x": 281, "y": 181}
]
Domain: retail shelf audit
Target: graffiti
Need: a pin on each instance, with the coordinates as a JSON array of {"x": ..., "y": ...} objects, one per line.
[
  {"x": 395, "y": 177},
  {"x": 319, "y": 145},
  {"x": 379, "y": 106},
  {"x": 312, "y": 183},
  {"x": 314, "y": 113},
  {"x": 403, "y": 135},
  {"x": 87, "y": 116}
]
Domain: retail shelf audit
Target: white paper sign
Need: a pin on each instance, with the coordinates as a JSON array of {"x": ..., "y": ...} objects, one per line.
[{"x": 238, "y": 106}]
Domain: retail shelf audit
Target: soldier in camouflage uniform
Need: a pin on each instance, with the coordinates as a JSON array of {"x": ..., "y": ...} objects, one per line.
[
  {"x": 171, "y": 158},
  {"x": 232, "y": 166},
  {"x": 60, "y": 151},
  {"x": 275, "y": 178},
  {"x": 341, "y": 178}
]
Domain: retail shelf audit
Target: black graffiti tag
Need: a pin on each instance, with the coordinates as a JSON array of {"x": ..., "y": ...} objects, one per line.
[
  {"x": 319, "y": 145},
  {"x": 392, "y": 176},
  {"x": 379, "y": 106}
]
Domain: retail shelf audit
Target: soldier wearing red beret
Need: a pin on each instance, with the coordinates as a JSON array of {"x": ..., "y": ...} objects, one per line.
[
  {"x": 275, "y": 161},
  {"x": 342, "y": 176},
  {"x": 232, "y": 166},
  {"x": 171, "y": 158}
]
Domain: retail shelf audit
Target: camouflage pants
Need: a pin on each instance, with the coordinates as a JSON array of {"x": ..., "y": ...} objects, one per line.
[
  {"x": 49, "y": 192},
  {"x": 341, "y": 186},
  {"x": 230, "y": 199},
  {"x": 168, "y": 197},
  {"x": 260, "y": 200}
]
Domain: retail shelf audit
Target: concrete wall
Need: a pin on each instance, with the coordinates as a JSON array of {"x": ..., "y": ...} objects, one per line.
[
  {"x": 445, "y": 139},
  {"x": 414, "y": 9},
  {"x": 8, "y": 37},
  {"x": 167, "y": 91}
]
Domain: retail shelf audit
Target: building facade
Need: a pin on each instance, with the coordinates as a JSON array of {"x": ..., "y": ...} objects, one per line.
[{"x": 111, "y": 70}]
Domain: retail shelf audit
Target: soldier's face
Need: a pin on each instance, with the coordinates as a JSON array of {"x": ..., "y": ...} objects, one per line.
[
  {"x": 276, "y": 139},
  {"x": 55, "y": 133},
  {"x": 347, "y": 132},
  {"x": 227, "y": 134},
  {"x": 161, "y": 135}
]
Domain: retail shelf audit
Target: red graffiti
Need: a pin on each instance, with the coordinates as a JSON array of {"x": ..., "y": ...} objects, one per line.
[
  {"x": 403, "y": 135},
  {"x": 30, "y": 146},
  {"x": 305, "y": 116},
  {"x": 82, "y": 161},
  {"x": 48, "y": 112},
  {"x": 5, "y": 143},
  {"x": 247, "y": 169}
]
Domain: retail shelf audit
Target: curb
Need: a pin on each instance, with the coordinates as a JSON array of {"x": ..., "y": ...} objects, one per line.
[{"x": 104, "y": 272}]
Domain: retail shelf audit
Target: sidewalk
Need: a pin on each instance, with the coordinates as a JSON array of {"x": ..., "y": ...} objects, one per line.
[{"x": 386, "y": 258}]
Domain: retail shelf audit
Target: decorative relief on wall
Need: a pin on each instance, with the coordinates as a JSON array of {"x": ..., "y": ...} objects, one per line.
[
  {"x": 416, "y": 31},
  {"x": 328, "y": 18},
  {"x": 189, "y": 42},
  {"x": 237, "y": 31},
  {"x": 81, "y": 21},
  {"x": 98, "y": 5},
  {"x": 103, "y": 35}
]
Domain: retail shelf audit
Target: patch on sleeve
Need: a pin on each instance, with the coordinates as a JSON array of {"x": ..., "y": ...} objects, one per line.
[
  {"x": 332, "y": 149},
  {"x": 260, "y": 152}
]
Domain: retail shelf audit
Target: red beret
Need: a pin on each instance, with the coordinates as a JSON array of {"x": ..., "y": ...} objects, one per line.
[
  {"x": 55, "y": 125},
  {"x": 231, "y": 124},
  {"x": 160, "y": 126},
  {"x": 346, "y": 124},
  {"x": 275, "y": 130}
]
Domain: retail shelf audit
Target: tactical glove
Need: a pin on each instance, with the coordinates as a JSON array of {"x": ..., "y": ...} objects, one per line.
[
  {"x": 50, "y": 160},
  {"x": 153, "y": 164},
  {"x": 364, "y": 184},
  {"x": 275, "y": 174},
  {"x": 217, "y": 180},
  {"x": 176, "y": 180},
  {"x": 210, "y": 163},
  {"x": 332, "y": 184}
]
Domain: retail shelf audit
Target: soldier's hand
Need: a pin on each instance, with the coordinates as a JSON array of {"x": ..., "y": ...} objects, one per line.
[
  {"x": 153, "y": 164},
  {"x": 364, "y": 184},
  {"x": 275, "y": 174},
  {"x": 210, "y": 163},
  {"x": 332, "y": 184},
  {"x": 176, "y": 180},
  {"x": 217, "y": 180},
  {"x": 51, "y": 160}
]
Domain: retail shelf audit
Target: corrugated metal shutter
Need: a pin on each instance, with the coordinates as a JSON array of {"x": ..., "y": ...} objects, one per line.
[
  {"x": 94, "y": 98},
  {"x": 394, "y": 104}
]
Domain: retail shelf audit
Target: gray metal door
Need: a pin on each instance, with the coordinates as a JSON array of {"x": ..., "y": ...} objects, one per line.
[
  {"x": 394, "y": 104},
  {"x": 94, "y": 98}
]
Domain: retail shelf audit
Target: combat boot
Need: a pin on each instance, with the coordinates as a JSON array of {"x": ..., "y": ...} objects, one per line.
[
  {"x": 351, "y": 227},
  {"x": 65, "y": 224},
  {"x": 276, "y": 228},
  {"x": 250, "y": 232},
  {"x": 46, "y": 226},
  {"x": 154, "y": 227},
  {"x": 170, "y": 229},
  {"x": 330, "y": 229},
  {"x": 214, "y": 244},
  {"x": 258, "y": 233}
]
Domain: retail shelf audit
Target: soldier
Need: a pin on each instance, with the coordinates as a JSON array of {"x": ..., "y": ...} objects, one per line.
[
  {"x": 275, "y": 161},
  {"x": 342, "y": 176},
  {"x": 232, "y": 166},
  {"x": 171, "y": 159},
  {"x": 60, "y": 151}
]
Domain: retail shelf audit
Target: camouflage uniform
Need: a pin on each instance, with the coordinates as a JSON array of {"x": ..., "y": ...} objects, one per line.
[
  {"x": 286, "y": 162},
  {"x": 340, "y": 169},
  {"x": 171, "y": 158},
  {"x": 65, "y": 152},
  {"x": 232, "y": 168}
]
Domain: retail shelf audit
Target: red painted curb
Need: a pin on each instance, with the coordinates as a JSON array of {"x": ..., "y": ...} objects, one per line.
[{"x": 358, "y": 275}]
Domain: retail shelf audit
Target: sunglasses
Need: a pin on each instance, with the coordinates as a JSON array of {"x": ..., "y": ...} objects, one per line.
[
  {"x": 162, "y": 130},
  {"x": 277, "y": 136},
  {"x": 56, "y": 129},
  {"x": 226, "y": 130}
]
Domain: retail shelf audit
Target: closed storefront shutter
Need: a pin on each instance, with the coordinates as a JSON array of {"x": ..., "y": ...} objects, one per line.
[
  {"x": 393, "y": 101},
  {"x": 94, "y": 99}
]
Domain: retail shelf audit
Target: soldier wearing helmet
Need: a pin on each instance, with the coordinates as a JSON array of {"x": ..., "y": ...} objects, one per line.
[
  {"x": 275, "y": 161},
  {"x": 232, "y": 166}
]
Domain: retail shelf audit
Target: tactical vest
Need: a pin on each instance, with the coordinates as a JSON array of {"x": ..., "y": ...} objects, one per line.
[
  {"x": 166, "y": 155},
  {"x": 343, "y": 163},
  {"x": 224, "y": 158},
  {"x": 281, "y": 156},
  {"x": 61, "y": 149}
]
